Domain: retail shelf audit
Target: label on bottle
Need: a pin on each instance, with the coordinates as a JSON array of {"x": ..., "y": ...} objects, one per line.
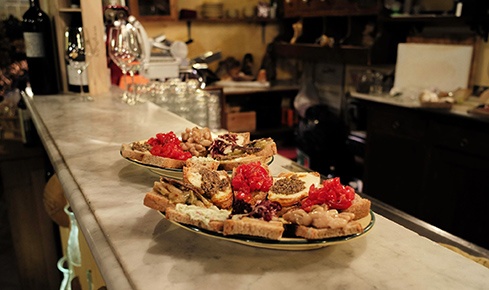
[
  {"x": 74, "y": 77},
  {"x": 34, "y": 44}
]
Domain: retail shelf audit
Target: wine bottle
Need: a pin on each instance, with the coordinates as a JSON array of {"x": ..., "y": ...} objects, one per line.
[
  {"x": 72, "y": 35},
  {"x": 39, "y": 50}
]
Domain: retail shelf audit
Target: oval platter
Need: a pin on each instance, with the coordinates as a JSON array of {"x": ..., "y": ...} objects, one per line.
[
  {"x": 288, "y": 244},
  {"x": 168, "y": 172}
]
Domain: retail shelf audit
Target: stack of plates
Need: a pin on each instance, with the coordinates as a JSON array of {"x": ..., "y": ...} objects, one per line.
[{"x": 212, "y": 10}]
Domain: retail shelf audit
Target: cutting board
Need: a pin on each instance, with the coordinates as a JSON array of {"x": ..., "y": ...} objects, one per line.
[{"x": 432, "y": 66}]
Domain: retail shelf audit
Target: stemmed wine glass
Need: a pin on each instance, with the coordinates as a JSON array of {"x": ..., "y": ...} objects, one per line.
[
  {"x": 76, "y": 55},
  {"x": 124, "y": 48},
  {"x": 134, "y": 67}
]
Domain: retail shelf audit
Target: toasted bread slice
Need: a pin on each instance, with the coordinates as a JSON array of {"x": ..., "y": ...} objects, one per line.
[
  {"x": 157, "y": 201},
  {"x": 229, "y": 144},
  {"x": 242, "y": 138},
  {"x": 256, "y": 196},
  {"x": 168, "y": 193},
  {"x": 254, "y": 227},
  {"x": 230, "y": 164},
  {"x": 359, "y": 206},
  {"x": 207, "y": 218},
  {"x": 216, "y": 185},
  {"x": 323, "y": 223},
  {"x": 147, "y": 158},
  {"x": 128, "y": 152},
  {"x": 262, "y": 147},
  {"x": 312, "y": 233},
  {"x": 202, "y": 161},
  {"x": 163, "y": 162},
  {"x": 290, "y": 188}
]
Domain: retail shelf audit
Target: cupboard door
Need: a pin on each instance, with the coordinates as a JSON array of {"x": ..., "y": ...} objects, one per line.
[
  {"x": 317, "y": 8},
  {"x": 331, "y": 7},
  {"x": 394, "y": 170},
  {"x": 291, "y": 8},
  {"x": 395, "y": 156},
  {"x": 456, "y": 195},
  {"x": 464, "y": 137},
  {"x": 154, "y": 10}
]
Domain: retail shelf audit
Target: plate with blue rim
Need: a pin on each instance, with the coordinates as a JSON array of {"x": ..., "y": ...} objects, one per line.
[
  {"x": 173, "y": 173},
  {"x": 285, "y": 243}
]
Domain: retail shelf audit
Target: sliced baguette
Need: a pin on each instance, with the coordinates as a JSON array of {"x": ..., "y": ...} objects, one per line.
[
  {"x": 157, "y": 201},
  {"x": 202, "y": 161},
  {"x": 147, "y": 158},
  {"x": 174, "y": 215},
  {"x": 312, "y": 233},
  {"x": 242, "y": 138},
  {"x": 169, "y": 192},
  {"x": 360, "y": 207},
  {"x": 231, "y": 164},
  {"x": 215, "y": 184},
  {"x": 128, "y": 152},
  {"x": 292, "y": 197},
  {"x": 262, "y": 147},
  {"x": 256, "y": 196},
  {"x": 163, "y": 162},
  {"x": 254, "y": 227}
]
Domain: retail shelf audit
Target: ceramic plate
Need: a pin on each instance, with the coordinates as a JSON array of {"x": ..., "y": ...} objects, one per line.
[
  {"x": 290, "y": 244},
  {"x": 171, "y": 173}
]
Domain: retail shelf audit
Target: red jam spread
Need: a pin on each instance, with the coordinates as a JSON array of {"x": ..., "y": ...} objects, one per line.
[
  {"x": 332, "y": 193},
  {"x": 249, "y": 178},
  {"x": 168, "y": 145}
]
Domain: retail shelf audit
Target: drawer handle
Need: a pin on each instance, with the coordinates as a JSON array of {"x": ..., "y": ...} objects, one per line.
[
  {"x": 396, "y": 125},
  {"x": 464, "y": 142}
]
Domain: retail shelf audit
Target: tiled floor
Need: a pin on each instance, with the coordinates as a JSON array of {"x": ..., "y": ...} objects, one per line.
[{"x": 9, "y": 279}]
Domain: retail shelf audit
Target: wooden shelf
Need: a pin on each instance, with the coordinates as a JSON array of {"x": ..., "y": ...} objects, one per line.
[
  {"x": 302, "y": 8},
  {"x": 93, "y": 24},
  {"x": 70, "y": 10},
  {"x": 427, "y": 18},
  {"x": 313, "y": 52},
  {"x": 232, "y": 20},
  {"x": 137, "y": 9}
]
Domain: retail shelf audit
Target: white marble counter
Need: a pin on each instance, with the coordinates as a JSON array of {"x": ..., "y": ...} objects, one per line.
[
  {"x": 136, "y": 248},
  {"x": 457, "y": 109}
]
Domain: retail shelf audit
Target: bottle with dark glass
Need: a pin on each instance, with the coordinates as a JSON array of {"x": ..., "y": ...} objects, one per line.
[
  {"x": 75, "y": 55},
  {"x": 39, "y": 48}
]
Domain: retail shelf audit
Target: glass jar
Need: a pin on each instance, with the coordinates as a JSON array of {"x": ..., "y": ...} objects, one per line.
[
  {"x": 198, "y": 111},
  {"x": 213, "y": 111},
  {"x": 181, "y": 104}
]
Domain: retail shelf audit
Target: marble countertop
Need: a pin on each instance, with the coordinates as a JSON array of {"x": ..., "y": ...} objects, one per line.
[
  {"x": 461, "y": 110},
  {"x": 135, "y": 248},
  {"x": 235, "y": 89}
]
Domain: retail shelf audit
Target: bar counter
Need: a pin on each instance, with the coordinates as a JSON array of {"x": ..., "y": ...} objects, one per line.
[{"x": 136, "y": 248}]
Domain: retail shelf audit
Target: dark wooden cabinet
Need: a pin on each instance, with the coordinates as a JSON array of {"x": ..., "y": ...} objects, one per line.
[
  {"x": 23, "y": 172},
  {"x": 154, "y": 10},
  {"x": 273, "y": 114},
  {"x": 314, "y": 8},
  {"x": 431, "y": 165},
  {"x": 395, "y": 156},
  {"x": 456, "y": 183}
]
